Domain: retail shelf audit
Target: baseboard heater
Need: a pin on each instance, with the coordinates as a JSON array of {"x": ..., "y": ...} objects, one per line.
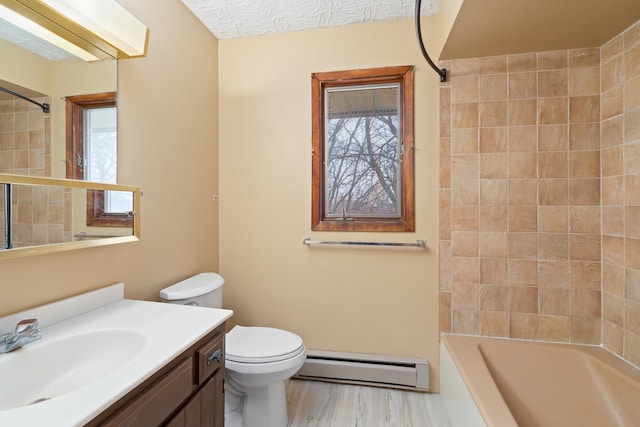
[{"x": 366, "y": 369}]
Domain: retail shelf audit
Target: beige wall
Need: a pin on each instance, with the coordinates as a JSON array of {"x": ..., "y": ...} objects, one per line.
[
  {"x": 380, "y": 301},
  {"x": 168, "y": 145}
]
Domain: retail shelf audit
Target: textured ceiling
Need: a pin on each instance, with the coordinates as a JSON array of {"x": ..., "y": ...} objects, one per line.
[{"x": 228, "y": 19}]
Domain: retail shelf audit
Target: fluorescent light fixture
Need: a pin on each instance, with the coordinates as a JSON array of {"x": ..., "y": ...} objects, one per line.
[
  {"x": 89, "y": 29},
  {"x": 106, "y": 19},
  {"x": 35, "y": 29}
]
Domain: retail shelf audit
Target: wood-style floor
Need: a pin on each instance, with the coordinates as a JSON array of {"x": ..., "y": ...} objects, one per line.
[{"x": 320, "y": 404}]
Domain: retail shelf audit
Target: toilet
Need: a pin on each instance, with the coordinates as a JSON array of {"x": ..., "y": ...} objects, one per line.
[{"x": 258, "y": 360}]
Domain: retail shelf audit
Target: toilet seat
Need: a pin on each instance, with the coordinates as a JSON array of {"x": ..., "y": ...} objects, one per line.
[{"x": 261, "y": 345}]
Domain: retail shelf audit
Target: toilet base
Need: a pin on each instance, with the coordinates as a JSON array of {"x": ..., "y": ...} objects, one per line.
[{"x": 260, "y": 406}]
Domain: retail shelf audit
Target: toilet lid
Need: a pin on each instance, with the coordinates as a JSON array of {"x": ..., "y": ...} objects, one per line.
[{"x": 261, "y": 345}]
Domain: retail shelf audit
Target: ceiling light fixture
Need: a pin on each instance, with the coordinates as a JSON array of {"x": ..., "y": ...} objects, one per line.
[{"x": 102, "y": 28}]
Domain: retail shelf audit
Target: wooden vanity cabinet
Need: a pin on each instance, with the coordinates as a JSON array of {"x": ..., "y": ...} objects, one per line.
[{"x": 187, "y": 392}]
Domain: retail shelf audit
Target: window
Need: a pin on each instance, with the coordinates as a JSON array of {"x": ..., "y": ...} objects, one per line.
[
  {"x": 92, "y": 155},
  {"x": 362, "y": 133}
]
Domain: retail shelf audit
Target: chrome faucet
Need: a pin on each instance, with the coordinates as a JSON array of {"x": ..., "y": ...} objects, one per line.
[{"x": 25, "y": 332}]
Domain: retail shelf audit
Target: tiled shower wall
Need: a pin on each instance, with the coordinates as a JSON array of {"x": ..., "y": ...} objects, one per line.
[
  {"x": 530, "y": 247},
  {"x": 621, "y": 194},
  {"x": 41, "y": 215}
]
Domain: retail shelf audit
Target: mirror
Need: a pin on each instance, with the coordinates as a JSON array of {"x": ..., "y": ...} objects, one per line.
[
  {"x": 40, "y": 210},
  {"x": 42, "y": 215}
]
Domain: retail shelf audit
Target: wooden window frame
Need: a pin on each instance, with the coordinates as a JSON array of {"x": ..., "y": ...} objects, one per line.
[
  {"x": 75, "y": 106},
  {"x": 321, "y": 81}
]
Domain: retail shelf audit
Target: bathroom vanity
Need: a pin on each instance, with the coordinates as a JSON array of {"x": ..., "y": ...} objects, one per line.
[{"x": 107, "y": 361}]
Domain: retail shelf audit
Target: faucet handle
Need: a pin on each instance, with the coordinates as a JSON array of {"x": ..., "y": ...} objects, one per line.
[{"x": 26, "y": 325}]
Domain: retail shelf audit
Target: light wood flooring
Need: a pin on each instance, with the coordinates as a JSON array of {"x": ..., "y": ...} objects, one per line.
[{"x": 321, "y": 404}]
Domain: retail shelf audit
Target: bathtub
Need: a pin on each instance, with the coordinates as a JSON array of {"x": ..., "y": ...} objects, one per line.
[{"x": 498, "y": 382}]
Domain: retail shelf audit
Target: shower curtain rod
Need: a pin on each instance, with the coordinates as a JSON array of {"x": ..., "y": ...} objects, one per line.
[
  {"x": 442, "y": 72},
  {"x": 44, "y": 106}
]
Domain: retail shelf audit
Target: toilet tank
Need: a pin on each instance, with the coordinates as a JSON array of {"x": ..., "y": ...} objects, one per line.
[{"x": 204, "y": 290}]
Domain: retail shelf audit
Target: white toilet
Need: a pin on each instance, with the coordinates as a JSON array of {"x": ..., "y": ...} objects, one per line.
[{"x": 258, "y": 360}]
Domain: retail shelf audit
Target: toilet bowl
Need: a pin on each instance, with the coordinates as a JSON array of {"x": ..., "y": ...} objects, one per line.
[{"x": 257, "y": 359}]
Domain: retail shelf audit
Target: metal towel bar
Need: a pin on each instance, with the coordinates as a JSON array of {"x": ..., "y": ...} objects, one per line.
[{"x": 418, "y": 244}]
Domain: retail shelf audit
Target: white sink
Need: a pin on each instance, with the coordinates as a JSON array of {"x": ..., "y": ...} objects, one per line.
[{"x": 49, "y": 368}]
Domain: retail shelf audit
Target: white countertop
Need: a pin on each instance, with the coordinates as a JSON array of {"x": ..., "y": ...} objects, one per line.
[{"x": 168, "y": 330}]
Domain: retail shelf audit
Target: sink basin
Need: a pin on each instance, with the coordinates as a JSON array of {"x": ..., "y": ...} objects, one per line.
[{"x": 49, "y": 368}]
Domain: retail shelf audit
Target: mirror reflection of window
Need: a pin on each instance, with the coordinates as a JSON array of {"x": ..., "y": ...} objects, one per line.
[{"x": 92, "y": 155}]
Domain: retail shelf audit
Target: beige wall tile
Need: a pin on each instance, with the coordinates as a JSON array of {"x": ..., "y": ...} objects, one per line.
[
  {"x": 493, "y": 298},
  {"x": 632, "y": 347},
  {"x": 612, "y": 337},
  {"x": 493, "y": 165},
  {"x": 553, "y": 301},
  {"x": 444, "y": 171},
  {"x": 522, "y": 192},
  {"x": 553, "y": 328},
  {"x": 552, "y": 60},
  {"x": 523, "y": 299},
  {"x": 522, "y": 138},
  {"x": 553, "y": 274},
  {"x": 465, "y": 166},
  {"x": 613, "y": 47},
  {"x": 464, "y": 192},
  {"x": 523, "y": 272},
  {"x": 464, "y": 115},
  {"x": 444, "y": 265},
  {"x": 493, "y": 192},
  {"x": 463, "y": 67},
  {"x": 632, "y": 126},
  {"x": 612, "y": 73},
  {"x": 553, "y": 111},
  {"x": 493, "y": 218},
  {"x": 521, "y": 63},
  {"x": 493, "y": 323},
  {"x": 523, "y": 85},
  {"x": 553, "y": 137},
  {"x": 632, "y": 36},
  {"x": 492, "y": 88},
  {"x": 523, "y": 218},
  {"x": 465, "y": 270},
  {"x": 632, "y": 221},
  {"x": 585, "y": 302},
  {"x": 632, "y": 253},
  {"x": 584, "y": 81},
  {"x": 584, "y": 219},
  {"x": 613, "y": 190},
  {"x": 465, "y": 89},
  {"x": 444, "y": 216},
  {"x": 584, "y": 164},
  {"x": 464, "y": 296},
  {"x": 522, "y": 112},
  {"x": 492, "y": 65},
  {"x": 632, "y": 158},
  {"x": 553, "y": 219},
  {"x": 584, "y": 136},
  {"x": 584, "y": 191},
  {"x": 585, "y": 274},
  {"x": 553, "y": 246},
  {"x": 632, "y": 93},
  {"x": 444, "y": 309},
  {"x": 612, "y": 161},
  {"x": 464, "y": 141},
  {"x": 445, "y": 112},
  {"x": 523, "y": 325},
  {"x": 465, "y": 322},
  {"x": 613, "y": 102},
  {"x": 553, "y": 164},
  {"x": 584, "y": 109},
  {"x": 585, "y": 330},
  {"x": 613, "y": 278},
  {"x": 613, "y": 220},
  {"x": 464, "y": 218},
  {"x": 523, "y": 245},
  {"x": 632, "y": 285},
  {"x": 523, "y": 165},
  {"x": 632, "y": 190},
  {"x": 493, "y": 271},
  {"x": 553, "y": 83},
  {"x": 632, "y": 316},
  {"x": 584, "y": 247},
  {"x": 587, "y": 57},
  {"x": 464, "y": 243},
  {"x": 493, "y": 245},
  {"x": 613, "y": 308},
  {"x": 493, "y": 113},
  {"x": 612, "y": 132},
  {"x": 632, "y": 62},
  {"x": 494, "y": 140},
  {"x": 553, "y": 192}
]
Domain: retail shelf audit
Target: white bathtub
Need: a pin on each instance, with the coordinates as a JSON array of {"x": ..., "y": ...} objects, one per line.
[{"x": 497, "y": 382}]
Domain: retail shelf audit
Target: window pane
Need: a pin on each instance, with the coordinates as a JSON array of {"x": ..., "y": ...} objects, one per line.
[
  {"x": 362, "y": 151},
  {"x": 118, "y": 201},
  {"x": 101, "y": 144}
]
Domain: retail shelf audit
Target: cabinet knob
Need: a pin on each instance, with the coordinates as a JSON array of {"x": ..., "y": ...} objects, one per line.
[{"x": 215, "y": 356}]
